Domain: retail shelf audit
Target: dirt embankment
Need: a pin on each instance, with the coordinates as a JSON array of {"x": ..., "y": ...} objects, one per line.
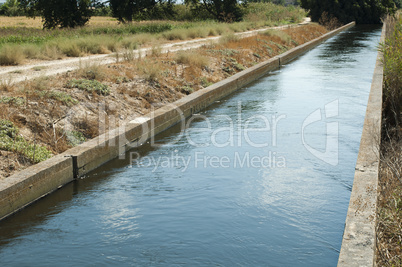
[{"x": 55, "y": 113}]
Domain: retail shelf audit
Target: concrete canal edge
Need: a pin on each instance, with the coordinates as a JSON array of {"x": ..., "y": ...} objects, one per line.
[
  {"x": 31, "y": 184},
  {"x": 359, "y": 238}
]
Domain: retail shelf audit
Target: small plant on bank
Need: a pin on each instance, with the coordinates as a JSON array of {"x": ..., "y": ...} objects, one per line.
[
  {"x": 11, "y": 141},
  {"x": 12, "y": 100},
  {"x": 62, "y": 97},
  {"x": 204, "y": 82},
  {"x": 75, "y": 138},
  {"x": 89, "y": 86},
  {"x": 186, "y": 90},
  {"x": 192, "y": 59}
]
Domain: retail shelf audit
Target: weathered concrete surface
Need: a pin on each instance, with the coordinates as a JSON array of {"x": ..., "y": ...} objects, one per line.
[
  {"x": 33, "y": 183},
  {"x": 36, "y": 181},
  {"x": 359, "y": 238}
]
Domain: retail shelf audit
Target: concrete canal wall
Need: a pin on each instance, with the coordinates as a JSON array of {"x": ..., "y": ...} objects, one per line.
[
  {"x": 27, "y": 186},
  {"x": 359, "y": 238}
]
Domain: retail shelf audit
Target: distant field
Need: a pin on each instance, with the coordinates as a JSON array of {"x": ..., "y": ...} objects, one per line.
[
  {"x": 23, "y": 38},
  {"x": 37, "y": 22}
]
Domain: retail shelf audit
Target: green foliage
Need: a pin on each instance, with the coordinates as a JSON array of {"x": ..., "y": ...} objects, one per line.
[
  {"x": 90, "y": 86},
  {"x": 7, "y": 128},
  {"x": 361, "y": 11},
  {"x": 392, "y": 50},
  {"x": 62, "y": 97},
  {"x": 14, "y": 100},
  {"x": 11, "y": 141},
  {"x": 185, "y": 12},
  {"x": 186, "y": 90},
  {"x": 204, "y": 82},
  {"x": 221, "y": 10},
  {"x": 60, "y": 13},
  {"x": 273, "y": 13},
  {"x": 11, "y": 8},
  {"x": 129, "y": 10},
  {"x": 75, "y": 138}
]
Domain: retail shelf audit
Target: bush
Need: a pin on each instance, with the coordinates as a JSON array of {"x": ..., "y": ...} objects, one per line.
[
  {"x": 11, "y": 141},
  {"x": 75, "y": 138},
  {"x": 89, "y": 86},
  {"x": 15, "y": 100},
  {"x": 271, "y": 13},
  {"x": 62, "y": 97},
  {"x": 11, "y": 55},
  {"x": 392, "y": 50},
  {"x": 189, "y": 58}
]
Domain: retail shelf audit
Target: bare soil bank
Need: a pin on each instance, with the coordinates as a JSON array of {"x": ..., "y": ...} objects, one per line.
[{"x": 61, "y": 111}]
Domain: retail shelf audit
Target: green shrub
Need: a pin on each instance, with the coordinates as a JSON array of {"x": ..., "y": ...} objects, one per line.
[
  {"x": 89, "y": 86},
  {"x": 62, "y": 97},
  {"x": 11, "y": 141},
  {"x": 75, "y": 138},
  {"x": 15, "y": 100},
  {"x": 392, "y": 50}
]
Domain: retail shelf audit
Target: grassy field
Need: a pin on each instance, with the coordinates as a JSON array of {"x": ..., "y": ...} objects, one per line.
[{"x": 23, "y": 39}]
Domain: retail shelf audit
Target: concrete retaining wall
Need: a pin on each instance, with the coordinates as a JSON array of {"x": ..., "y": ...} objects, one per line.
[
  {"x": 24, "y": 187},
  {"x": 359, "y": 238},
  {"x": 34, "y": 182}
]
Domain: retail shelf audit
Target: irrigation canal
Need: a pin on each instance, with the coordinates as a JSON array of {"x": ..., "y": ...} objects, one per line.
[{"x": 261, "y": 178}]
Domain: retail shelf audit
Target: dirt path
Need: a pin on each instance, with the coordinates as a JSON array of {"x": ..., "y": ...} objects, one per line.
[
  {"x": 56, "y": 115},
  {"x": 14, "y": 74}
]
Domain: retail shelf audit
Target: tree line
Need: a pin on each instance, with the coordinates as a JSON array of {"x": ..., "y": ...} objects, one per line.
[
  {"x": 75, "y": 13},
  {"x": 361, "y": 11}
]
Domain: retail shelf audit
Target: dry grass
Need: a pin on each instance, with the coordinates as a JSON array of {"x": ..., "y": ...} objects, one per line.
[
  {"x": 135, "y": 86},
  {"x": 227, "y": 38},
  {"x": 92, "y": 72},
  {"x": 389, "y": 214},
  {"x": 389, "y": 228},
  {"x": 104, "y": 35},
  {"x": 11, "y": 55},
  {"x": 37, "y": 22},
  {"x": 281, "y": 34},
  {"x": 192, "y": 59},
  {"x": 150, "y": 70},
  {"x": 6, "y": 85}
]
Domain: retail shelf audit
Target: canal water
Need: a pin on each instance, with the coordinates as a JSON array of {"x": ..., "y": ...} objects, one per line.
[{"x": 260, "y": 178}]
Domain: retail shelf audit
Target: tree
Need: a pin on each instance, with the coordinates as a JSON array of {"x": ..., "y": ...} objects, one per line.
[
  {"x": 11, "y": 8},
  {"x": 127, "y": 10},
  {"x": 61, "y": 13},
  {"x": 361, "y": 11},
  {"x": 221, "y": 10}
]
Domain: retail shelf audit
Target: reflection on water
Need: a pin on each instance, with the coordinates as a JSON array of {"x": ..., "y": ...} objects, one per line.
[{"x": 218, "y": 196}]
